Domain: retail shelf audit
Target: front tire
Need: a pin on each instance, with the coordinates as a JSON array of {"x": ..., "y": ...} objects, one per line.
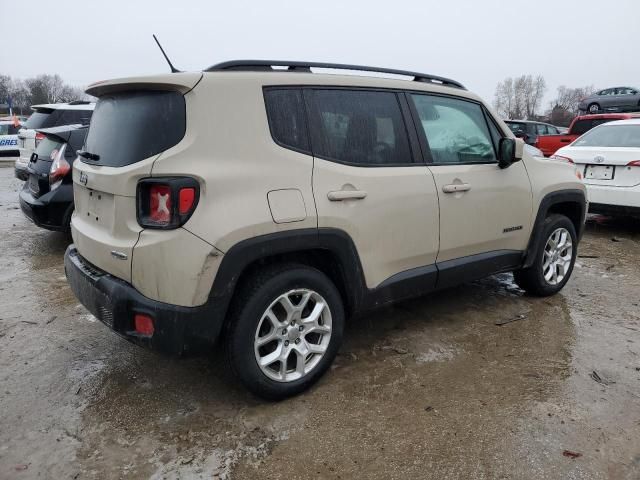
[
  {"x": 554, "y": 258},
  {"x": 284, "y": 330},
  {"x": 593, "y": 108}
]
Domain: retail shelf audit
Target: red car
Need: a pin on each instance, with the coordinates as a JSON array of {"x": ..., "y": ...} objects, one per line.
[{"x": 580, "y": 125}]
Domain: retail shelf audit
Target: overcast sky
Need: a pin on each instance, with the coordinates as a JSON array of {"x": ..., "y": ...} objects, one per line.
[{"x": 479, "y": 43}]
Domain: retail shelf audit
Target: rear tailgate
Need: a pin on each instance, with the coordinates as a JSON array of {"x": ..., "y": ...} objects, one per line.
[
  {"x": 607, "y": 167},
  {"x": 550, "y": 144},
  {"x": 135, "y": 120}
]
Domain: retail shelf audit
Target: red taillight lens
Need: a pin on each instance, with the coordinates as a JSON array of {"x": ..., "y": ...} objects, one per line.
[
  {"x": 561, "y": 158},
  {"x": 187, "y": 197},
  {"x": 166, "y": 202},
  {"x": 160, "y": 204},
  {"x": 39, "y": 137},
  {"x": 635, "y": 163},
  {"x": 59, "y": 168},
  {"x": 143, "y": 324}
]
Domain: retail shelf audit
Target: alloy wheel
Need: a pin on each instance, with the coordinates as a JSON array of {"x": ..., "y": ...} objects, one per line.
[{"x": 293, "y": 335}]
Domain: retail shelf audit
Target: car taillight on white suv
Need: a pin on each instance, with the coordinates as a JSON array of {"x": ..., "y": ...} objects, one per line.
[
  {"x": 59, "y": 167},
  {"x": 38, "y": 138},
  {"x": 166, "y": 203}
]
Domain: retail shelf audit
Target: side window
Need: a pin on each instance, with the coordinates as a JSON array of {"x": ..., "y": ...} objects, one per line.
[
  {"x": 541, "y": 129},
  {"x": 456, "y": 129},
  {"x": 359, "y": 127},
  {"x": 285, "y": 112},
  {"x": 552, "y": 130}
]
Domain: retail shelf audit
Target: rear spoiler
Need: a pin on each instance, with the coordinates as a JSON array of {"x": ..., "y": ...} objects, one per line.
[{"x": 180, "y": 82}]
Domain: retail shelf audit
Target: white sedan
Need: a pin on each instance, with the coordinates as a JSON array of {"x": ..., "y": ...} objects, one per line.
[{"x": 609, "y": 158}]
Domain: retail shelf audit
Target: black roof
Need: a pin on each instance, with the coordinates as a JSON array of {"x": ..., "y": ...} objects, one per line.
[{"x": 293, "y": 66}]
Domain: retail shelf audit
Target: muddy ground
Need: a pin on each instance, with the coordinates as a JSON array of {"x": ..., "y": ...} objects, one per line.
[{"x": 432, "y": 388}]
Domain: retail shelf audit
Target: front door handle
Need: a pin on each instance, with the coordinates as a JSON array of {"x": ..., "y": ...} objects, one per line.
[
  {"x": 456, "y": 187},
  {"x": 340, "y": 195}
]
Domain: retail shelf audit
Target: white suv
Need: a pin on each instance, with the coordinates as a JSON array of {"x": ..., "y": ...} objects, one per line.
[
  {"x": 47, "y": 116},
  {"x": 265, "y": 206}
]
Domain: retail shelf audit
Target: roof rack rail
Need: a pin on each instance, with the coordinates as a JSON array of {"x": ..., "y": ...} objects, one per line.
[
  {"x": 80, "y": 102},
  {"x": 267, "y": 65}
]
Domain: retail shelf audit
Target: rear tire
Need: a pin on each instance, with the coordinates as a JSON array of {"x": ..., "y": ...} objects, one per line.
[
  {"x": 554, "y": 258},
  {"x": 272, "y": 319}
]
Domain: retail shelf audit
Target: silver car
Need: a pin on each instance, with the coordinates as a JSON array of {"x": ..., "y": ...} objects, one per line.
[{"x": 618, "y": 99}]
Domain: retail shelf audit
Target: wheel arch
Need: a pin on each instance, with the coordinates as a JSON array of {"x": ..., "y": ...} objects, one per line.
[
  {"x": 331, "y": 251},
  {"x": 571, "y": 203}
]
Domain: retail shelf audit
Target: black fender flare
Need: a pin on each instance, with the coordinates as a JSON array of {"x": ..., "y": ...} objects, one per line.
[
  {"x": 240, "y": 256},
  {"x": 548, "y": 201}
]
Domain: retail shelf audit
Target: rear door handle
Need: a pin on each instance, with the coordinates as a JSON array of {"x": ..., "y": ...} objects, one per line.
[
  {"x": 340, "y": 195},
  {"x": 456, "y": 187},
  {"x": 564, "y": 140}
]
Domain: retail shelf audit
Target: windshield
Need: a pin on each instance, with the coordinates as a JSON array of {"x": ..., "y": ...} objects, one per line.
[
  {"x": 130, "y": 126},
  {"x": 37, "y": 119},
  {"x": 611, "y": 136}
]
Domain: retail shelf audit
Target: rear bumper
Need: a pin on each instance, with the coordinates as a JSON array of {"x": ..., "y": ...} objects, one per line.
[
  {"x": 627, "y": 197},
  {"x": 51, "y": 211},
  {"x": 177, "y": 330}
]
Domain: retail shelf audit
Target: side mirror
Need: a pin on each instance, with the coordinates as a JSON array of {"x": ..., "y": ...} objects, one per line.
[{"x": 506, "y": 152}]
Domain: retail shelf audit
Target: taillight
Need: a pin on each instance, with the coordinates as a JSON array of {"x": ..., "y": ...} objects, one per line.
[
  {"x": 561, "y": 158},
  {"x": 635, "y": 163},
  {"x": 59, "y": 167},
  {"x": 39, "y": 137},
  {"x": 166, "y": 202}
]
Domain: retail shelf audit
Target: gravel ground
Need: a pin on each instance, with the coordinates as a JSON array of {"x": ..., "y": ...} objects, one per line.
[{"x": 431, "y": 388}]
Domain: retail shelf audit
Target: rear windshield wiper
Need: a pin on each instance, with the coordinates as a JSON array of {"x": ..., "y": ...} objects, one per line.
[{"x": 88, "y": 155}]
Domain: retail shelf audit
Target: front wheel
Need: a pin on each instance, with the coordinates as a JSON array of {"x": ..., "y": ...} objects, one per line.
[
  {"x": 554, "y": 259},
  {"x": 284, "y": 331},
  {"x": 593, "y": 108}
]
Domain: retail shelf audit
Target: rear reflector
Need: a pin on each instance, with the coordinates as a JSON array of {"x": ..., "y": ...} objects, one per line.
[
  {"x": 143, "y": 324},
  {"x": 635, "y": 163}
]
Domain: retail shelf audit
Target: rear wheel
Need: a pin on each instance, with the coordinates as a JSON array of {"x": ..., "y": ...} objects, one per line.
[
  {"x": 284, "y": 331},
  {"x": 593, "y": 108},
  {"x": 554, "y": 260}
]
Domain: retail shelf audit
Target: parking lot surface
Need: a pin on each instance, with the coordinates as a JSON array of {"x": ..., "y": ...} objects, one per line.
[{"x": 475, "y": 382}]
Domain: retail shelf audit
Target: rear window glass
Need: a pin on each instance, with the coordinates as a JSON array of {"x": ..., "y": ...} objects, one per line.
[
  {"x": 285, "y": 110},
  {"x": 48, "y": 148},
  {"x": 611, "y": 136},
  {"x": 581, "y": 126},
  {"x": 130, "y": 126},
  {"x": 37, "y": 120},
  {"x": 71, "y": 117}
]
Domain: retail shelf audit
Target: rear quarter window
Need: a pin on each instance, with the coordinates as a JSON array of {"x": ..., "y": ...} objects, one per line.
[
  {"x": 128, "y": 127},
  {"x": 285, "y": 111}
]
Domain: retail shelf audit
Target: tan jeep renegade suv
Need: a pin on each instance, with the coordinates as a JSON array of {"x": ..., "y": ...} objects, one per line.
[{"x": 264, "y": 203}]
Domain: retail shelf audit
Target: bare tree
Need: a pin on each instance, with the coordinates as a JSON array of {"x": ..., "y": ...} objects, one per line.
[
  {"x": 35, "y": 90},
  {"x": 520, "y": 97},
  {"x": 569, "y": 98}
]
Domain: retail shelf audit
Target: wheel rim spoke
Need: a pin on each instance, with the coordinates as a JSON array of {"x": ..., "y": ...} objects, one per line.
[
  {"x": 557, "y": 256},
  {"x": 307, "y": 338}
]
